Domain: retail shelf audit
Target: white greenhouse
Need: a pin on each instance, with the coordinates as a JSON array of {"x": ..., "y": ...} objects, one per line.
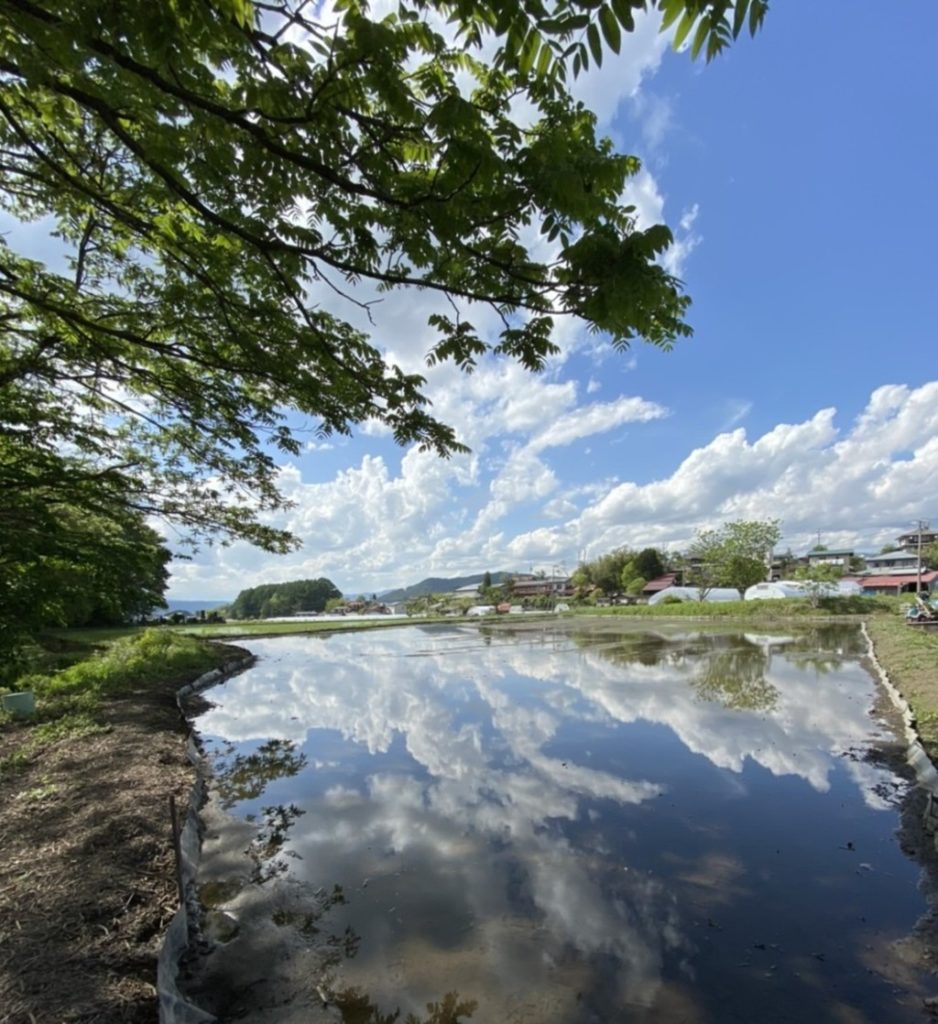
[
  {"x": 693, "y": 594},
  {"x": 774, "y": 591},
  {"x": 798, "y": 588}
]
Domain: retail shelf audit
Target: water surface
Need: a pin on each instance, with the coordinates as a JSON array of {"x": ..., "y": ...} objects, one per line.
[{"x": 560, "y": 826}]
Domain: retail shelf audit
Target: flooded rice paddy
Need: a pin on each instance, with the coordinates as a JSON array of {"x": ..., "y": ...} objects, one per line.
[{"x": 556, "y": 825}]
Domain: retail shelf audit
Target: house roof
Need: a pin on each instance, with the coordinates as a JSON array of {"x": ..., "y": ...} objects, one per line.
[
  {"x": 827, "y": 554},
  {"x": 897, "y": 581},
  {"x": 662, "y": 582},
  {"x": 544, "y": 583}
]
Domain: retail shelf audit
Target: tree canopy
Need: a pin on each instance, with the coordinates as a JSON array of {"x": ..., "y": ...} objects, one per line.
[
  {"x": 209, "y": 168},
  {"x": 205, "y": 164},
  {"x": 818, "y": 580},
  {"x": 734, "y": 555},
  {"x": 619, "y": 570}
]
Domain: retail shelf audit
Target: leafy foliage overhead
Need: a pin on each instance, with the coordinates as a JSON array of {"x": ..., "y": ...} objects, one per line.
[{"x": 206, "y": 165}]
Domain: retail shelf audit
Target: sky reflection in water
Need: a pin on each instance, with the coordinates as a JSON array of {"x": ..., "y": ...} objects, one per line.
[{"x": 578, "y": 826}]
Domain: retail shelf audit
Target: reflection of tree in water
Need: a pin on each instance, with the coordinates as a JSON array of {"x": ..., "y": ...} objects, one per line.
[
  {"x": 839, "y": 639},
  {"x": 728, "y": 667},
  {"x": 725, "y": 668},
  {"x": 305, "y": 919},
  {"x": 629, "y": 649},
  {"x": 246, "y": 776},
  {"x": 357, "y": 1008},
  {"x": 266, "y": 849},
  {"x": 824, "y": 649},
  {"x": 735, "y": 677}
]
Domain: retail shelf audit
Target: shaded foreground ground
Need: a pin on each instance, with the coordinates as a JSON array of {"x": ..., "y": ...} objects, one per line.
[{"x": 87, "y": 882}]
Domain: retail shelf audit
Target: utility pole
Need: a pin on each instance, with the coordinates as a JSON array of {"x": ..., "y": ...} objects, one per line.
[{"x": 922, "y": 525}]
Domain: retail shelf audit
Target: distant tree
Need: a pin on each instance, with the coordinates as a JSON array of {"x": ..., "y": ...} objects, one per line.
[
  {"x": 487, "y": 580},
  {"x": 62, "y": 565},
  {"x": 856, "y": 564},
  {"x": 787, "y": 563},
  {"x": 648, "y": 563},
  {"x": 742, "y": 572},
  {"x": 581, "y": 580},
  {"x": 284, "y": 598},
  {"x": 606, "y": 571},
  {"x": 735, "y": 555},
  {"x": 818, "y": 581},
  {"x": 887, "y": 549},
  {"x": 930, "y": 555}
]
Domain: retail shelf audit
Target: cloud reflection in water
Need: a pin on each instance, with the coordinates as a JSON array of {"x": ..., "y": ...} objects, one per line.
[{"x": 483, "y": 843}]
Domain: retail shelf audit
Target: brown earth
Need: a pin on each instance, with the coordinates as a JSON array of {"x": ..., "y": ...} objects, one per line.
[{"x": 87, "y": 870}]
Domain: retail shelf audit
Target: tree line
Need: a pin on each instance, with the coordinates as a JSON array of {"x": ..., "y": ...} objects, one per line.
[
  {"x": 736, "y": 554},
  {"x": 272, "y": 599}
]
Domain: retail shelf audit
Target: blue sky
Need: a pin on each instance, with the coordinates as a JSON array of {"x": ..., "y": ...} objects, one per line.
[{"x": 799, "y": 174}]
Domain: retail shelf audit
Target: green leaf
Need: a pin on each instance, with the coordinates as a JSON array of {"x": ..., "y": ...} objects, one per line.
[
  {"x": 672, "y": 10},
  {"x": 544, "y": 60},
  {"x": 623, "y": 11},
  {"x": 611, "y": 30},
  {"x": 756, "y": 15},
  {"x": 595, "y": 43},
  {"x": 686, "y": 24},
  {"x": 703, "y": 30}
]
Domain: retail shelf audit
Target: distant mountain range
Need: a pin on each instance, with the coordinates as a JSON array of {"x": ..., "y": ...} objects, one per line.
[{"x": 438, "y": 585}]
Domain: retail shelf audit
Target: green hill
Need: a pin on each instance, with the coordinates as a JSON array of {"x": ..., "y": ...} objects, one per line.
[
  {"x": 272, "y": 599},
  {"x": 439, "y": 585}
]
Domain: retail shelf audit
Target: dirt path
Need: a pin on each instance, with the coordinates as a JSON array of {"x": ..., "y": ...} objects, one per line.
[{"x": 87, "y": 876}]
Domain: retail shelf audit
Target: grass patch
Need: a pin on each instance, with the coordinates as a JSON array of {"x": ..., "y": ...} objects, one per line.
[
  {"x": 68, "y": 701},
  {"x": 910, "y": 658},
  {"x": 155, "y": 655}
]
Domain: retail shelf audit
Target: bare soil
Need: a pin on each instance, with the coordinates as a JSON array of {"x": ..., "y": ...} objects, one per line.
[{"x": 87, "y": 870}]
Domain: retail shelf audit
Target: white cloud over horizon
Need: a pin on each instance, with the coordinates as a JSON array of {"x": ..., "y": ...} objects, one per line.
[{"x": 372, "y": 527}]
